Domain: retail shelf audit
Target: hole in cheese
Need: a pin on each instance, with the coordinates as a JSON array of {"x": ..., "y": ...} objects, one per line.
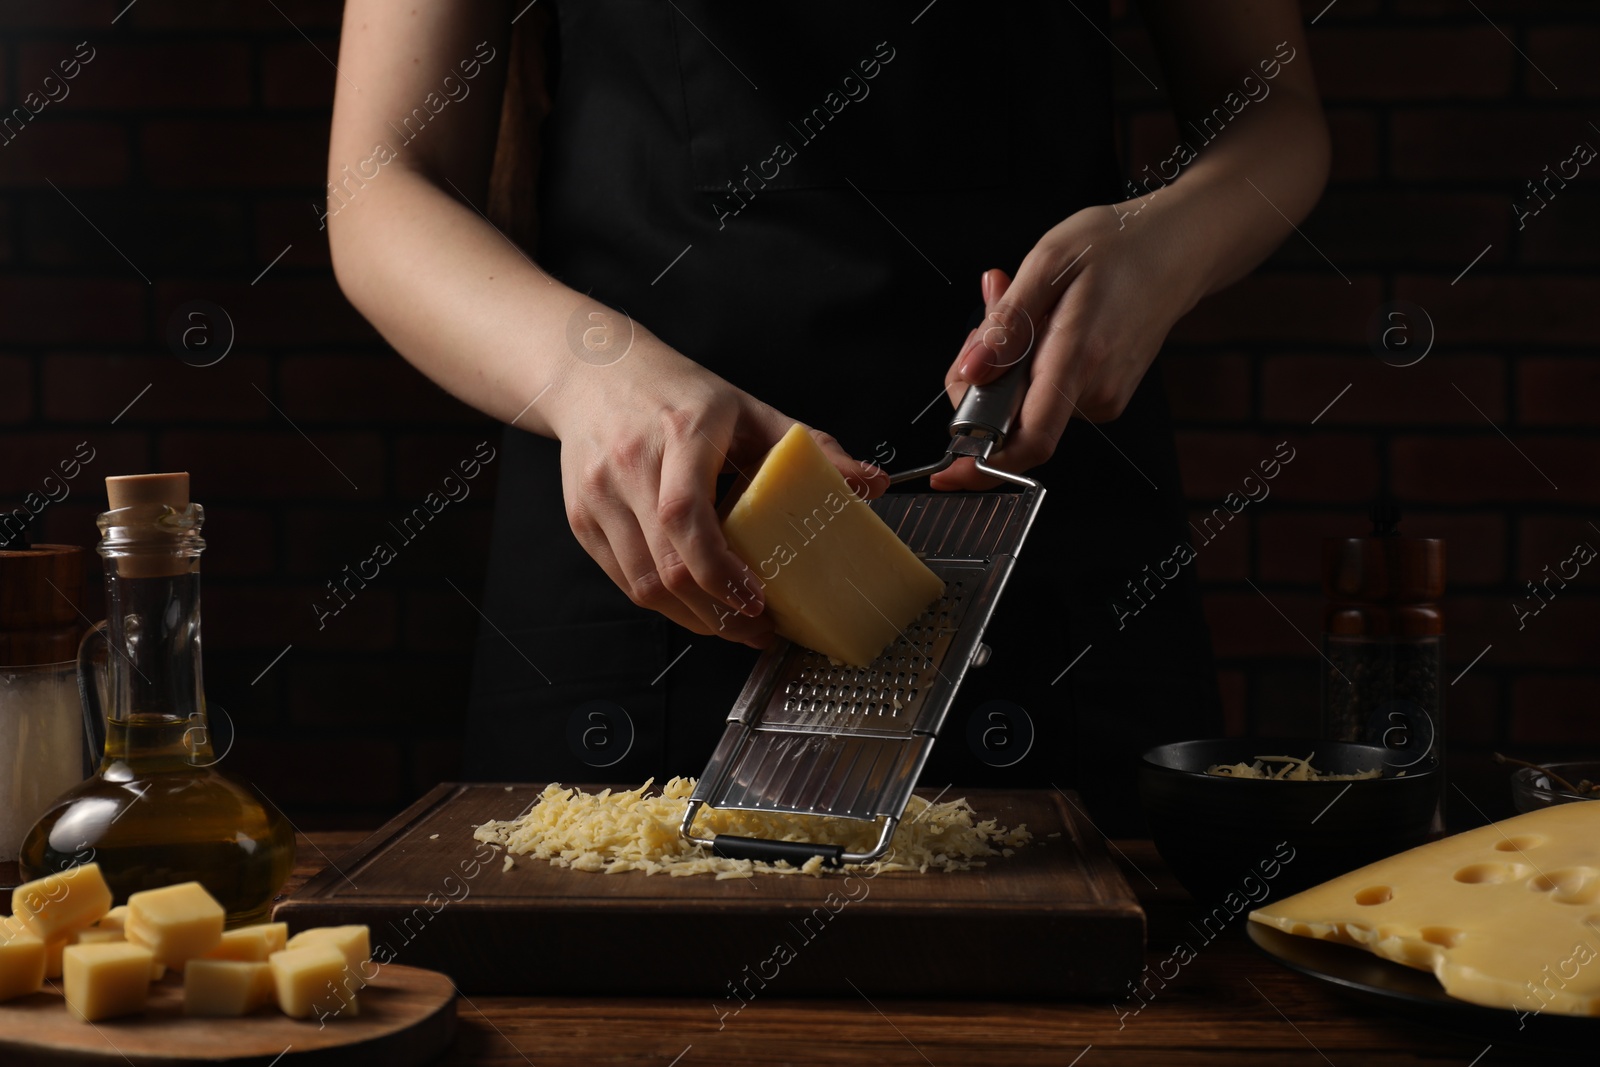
[
  {"x": 1519, "y": 844},
  {"x": 1491, "y": 873},
  {"x": 1376, "y": 894},
  {"x": 1443, "y": 936},
  {"x": 1574, "y": 885}
]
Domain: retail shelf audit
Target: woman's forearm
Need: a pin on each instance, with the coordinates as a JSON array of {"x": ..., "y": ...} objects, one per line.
[
  {"x": 454, "y": 296},
  {"x": 416, "y": 107},
  {"x": 1243, "y": 91},
  {"x": 1245, "y": 192}
]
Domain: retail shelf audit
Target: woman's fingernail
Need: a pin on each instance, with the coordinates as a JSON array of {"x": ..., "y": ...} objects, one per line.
[
  {"x": 975, "y": 364},
  {"x": 983, "y": 287}
]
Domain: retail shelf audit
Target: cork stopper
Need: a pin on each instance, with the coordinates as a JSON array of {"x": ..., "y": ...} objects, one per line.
[
  {"x": 150, "y": 556},
  {"x": 126, "y": 490}
]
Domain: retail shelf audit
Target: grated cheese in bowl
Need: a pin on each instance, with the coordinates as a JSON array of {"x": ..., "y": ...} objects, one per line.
[
  {"x": 636, "y": 830},
  {"x": 1293, "y": 769}
]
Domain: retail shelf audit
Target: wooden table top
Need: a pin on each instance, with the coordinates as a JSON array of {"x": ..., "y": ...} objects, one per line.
[{"x": 1228, "y": 1005}]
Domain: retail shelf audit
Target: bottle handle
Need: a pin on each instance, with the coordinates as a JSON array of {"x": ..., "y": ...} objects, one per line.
[{"x": 89, "y": 676}]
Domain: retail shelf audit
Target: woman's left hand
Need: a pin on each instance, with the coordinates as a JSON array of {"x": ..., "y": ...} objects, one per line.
[{"x": 1093, "y": 302}]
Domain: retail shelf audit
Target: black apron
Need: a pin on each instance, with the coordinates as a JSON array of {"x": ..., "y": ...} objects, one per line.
[{"x": 801, "y": 197}]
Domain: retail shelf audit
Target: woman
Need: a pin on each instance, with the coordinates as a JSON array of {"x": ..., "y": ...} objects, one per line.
[{"x": 753, "y": 216}]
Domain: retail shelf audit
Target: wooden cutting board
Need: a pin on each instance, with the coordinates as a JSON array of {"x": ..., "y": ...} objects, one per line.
[
  {"x": 1055, "y": 919},
  {"x": 407, "y": 1018}
]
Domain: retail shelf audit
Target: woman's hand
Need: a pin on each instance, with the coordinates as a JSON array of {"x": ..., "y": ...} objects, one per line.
[
  {"x": 642, "y": 443},
  {"x": 1211, "y": 212},
  {"x": 1092, "y": 303}
]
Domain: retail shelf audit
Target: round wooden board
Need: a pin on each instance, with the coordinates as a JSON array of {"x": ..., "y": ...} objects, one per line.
[{"x": 408, "y": 1016}]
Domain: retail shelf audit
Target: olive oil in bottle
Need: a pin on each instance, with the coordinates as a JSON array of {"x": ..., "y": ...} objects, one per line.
[{"x": 160, "y": 809}]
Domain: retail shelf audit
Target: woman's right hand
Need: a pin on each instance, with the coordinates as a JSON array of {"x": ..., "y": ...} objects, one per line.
[{"x": 642, "y": 443}]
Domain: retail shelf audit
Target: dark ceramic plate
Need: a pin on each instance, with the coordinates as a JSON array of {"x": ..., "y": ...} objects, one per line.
[{"x": 1417, "y": 995}]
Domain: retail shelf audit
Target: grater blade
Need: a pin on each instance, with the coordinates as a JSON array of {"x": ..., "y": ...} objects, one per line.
[{"x": 811, "y": 738}]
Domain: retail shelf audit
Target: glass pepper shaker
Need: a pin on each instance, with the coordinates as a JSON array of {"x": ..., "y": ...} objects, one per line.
[{"x": 1383, "y": 641}]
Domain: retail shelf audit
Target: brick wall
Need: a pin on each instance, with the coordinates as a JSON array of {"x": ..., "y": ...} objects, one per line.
[
  {"x": 186, "y": 157},
  {"x": 1439, "y": 118},
  {"x": 183, "y": 166}
]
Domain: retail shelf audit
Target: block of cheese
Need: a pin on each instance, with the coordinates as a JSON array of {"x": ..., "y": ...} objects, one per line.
[
  {"x": 58, "y": 904},
  {"x": 176, "y": 922},
  {"x": 226, "y": 987},
  {"x": 835, "y": 577},
  {"x": 353, "y": 941},
  {"x": 1506, "y": 915},
  {"x": 310, "y": 981},
  {"x": 22, "y": 959},
  {"x": 106, "y": 980},
  {"x": 251, "y": 943}
]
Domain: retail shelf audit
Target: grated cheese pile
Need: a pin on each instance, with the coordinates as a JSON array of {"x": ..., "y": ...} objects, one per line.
[
  {"x": 637, "y": 831},
  {"x": 1294, "y": 769}
]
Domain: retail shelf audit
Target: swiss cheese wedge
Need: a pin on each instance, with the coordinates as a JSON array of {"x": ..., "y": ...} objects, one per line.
[
  {"x": 1506, "y": 915},
  {"x": 835, "y": 577}
]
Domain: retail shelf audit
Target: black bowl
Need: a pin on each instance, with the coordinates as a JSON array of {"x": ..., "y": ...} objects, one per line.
[{"x": 1258, "y": 840}]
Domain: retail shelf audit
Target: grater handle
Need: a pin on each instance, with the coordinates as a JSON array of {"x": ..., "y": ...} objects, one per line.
[
  {"x": 733, "y": 847},
  {"x": 988, "y": 411}
]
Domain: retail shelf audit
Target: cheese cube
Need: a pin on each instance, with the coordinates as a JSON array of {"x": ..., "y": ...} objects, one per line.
[
  {"x": 353, "y": 941},
  {"x": 311, "y": 981},
  {"x": 835, "y": 577},
  {"x": 113, "y": 919},
  {"x": 226, "y": 987},
  {"x": 251, "y": 943},
  {"x": 106, "y": 980},
  {"x": 22, "y": 960},
  {"x": 13, "y": 927},
  {"x": 58, "y": 904},
  {"x": 176, "y": 923},
  {"x": 95, "y": 936}
]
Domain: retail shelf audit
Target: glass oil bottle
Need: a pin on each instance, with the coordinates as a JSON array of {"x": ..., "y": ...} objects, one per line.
[{"x": 159, "y": 809}]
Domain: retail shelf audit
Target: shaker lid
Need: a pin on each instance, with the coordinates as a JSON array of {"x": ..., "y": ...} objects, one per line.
[
  {"x": 1384, "y": 566},
  {"x": 41, "y": 594}
]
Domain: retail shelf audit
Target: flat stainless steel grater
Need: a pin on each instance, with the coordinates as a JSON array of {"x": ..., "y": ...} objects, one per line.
[{"x": 809, "y": 738}]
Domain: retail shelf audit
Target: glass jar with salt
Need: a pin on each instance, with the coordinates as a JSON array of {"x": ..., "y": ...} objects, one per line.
[{"x": 41, "y": 721}]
